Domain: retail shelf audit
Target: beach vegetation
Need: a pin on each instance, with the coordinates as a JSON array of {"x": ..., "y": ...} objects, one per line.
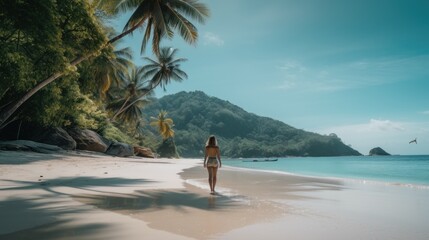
[
  {"x": 38, "y": 38},
  {"x": 59, "y": 68},
  {"x": 128, "y": 99},
  {"x": 110, "y": 68},
  {"x": 159, "y": 72},
  {"x": 165, "y": 125},
  {"x": 63, "y": 34}
]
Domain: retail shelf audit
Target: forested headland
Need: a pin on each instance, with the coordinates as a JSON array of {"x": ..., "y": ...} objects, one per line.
[{"x": 240, "y": 134}]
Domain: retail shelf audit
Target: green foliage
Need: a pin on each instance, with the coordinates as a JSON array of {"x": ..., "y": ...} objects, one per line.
[
  {"x": 163, "y": 124},
  {"x": 110, "y": 132},
  {"x": 39, "y": 38},
  {"x": 240, "y": 134}
]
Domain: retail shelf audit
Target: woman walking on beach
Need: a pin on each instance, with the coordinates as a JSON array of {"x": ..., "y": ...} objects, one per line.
[{"x": 212, "y": 161}]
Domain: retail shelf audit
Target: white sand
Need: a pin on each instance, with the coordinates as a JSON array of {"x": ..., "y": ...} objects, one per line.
[
  {"x": 90, "y": 196},
  {"x": 37, "y": 190}
]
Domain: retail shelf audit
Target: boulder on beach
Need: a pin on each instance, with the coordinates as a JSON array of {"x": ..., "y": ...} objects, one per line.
[
  {"x": 143, "y": 152},
  {"x": 57, "y": 136},
  {"x": 378, "y": 151},
  {"x": 88, "y": 140},
  {"x": 29, "y": 131},
  {"x": 120, "y": 149},
  {"x": 27, "y": 145}
]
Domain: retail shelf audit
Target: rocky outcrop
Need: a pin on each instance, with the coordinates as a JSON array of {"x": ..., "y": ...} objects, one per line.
[
  {"x": 167, "y": 149},
  {"x": 45, "y": 139},
  {"x": 48, "y": 135},
  {"x": 120, "y": 149},
  {"x": 26, "y": 145},
  {"x": 88, "y": 140},
  {"x": 143, "y": 152},
  {"x": 378, "y": 151},
  {"x": 57, "y": 136}
]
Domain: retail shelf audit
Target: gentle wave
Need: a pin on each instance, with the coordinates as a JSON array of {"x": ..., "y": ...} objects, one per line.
[{"x": 345, "y": 180}]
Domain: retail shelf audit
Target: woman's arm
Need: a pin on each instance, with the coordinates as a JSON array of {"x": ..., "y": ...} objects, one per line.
[
  {"x": 205, "y": 158},
  {"x": 218, "y": 157}
]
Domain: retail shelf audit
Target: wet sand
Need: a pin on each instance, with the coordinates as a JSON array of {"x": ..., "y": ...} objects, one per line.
[{"x": 81, "y": 195}]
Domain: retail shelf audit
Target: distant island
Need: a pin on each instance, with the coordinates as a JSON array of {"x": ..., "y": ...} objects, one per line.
[
  {"x": 240, "y": 133},
  {"x": 378, "y": 151}
]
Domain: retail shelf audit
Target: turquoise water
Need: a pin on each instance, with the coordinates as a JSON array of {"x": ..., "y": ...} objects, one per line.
[{"x": 391, "y": 169}]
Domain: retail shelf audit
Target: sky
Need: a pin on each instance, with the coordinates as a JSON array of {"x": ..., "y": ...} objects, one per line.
[{"x": 359, "y": 69}]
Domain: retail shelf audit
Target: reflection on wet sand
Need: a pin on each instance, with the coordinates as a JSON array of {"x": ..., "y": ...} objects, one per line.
[{"x": 190, "y": 212}]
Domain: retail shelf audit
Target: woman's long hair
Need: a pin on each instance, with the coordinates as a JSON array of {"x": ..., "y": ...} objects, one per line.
[{"x": 211, "y": 142}]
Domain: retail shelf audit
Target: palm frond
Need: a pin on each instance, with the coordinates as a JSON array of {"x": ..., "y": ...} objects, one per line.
[
  {"x": 126, "y": 5},
  {"x": 191, "y": 8},
  {"x": 186, "y": 29},
  {"x": 146, "y": 35},
  {"x": 139, "y": 16}
]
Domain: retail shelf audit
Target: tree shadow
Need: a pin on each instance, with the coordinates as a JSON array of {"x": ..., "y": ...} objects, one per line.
[
  {"x": 155, "y": 200},
  {"x": 24, "y": 157},
  {"x": 57, "y": 230},
  {"x": 19, "y": 215},
  {"x": 84, "y": 183},
  {"x": 17, "y": 157},
  {"x": 48, "y": 211}
]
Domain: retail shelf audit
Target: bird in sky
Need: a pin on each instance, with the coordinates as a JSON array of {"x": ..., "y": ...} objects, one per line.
[{"x": 413, "y": 141}]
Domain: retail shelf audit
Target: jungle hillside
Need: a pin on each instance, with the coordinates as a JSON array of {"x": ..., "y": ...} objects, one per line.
[{"x": 240, "y": 133}]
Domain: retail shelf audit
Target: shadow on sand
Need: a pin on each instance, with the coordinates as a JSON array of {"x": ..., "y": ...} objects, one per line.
[
  {"x": 19, "y": 216},
  {"x": 49, "y": 215},
  {"x": 149, "y": 201}
]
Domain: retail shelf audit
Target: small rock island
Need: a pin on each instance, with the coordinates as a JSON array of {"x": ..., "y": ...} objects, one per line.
[{"x": 378, "y": 151}]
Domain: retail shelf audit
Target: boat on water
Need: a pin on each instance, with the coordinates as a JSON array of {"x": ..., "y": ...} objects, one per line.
[{"x": 260, "y": 160}]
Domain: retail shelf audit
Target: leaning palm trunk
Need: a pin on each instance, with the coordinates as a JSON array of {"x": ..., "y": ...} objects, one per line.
[
  {"x": 124, "y": 108},
  {"x": 9, "y": 111}
]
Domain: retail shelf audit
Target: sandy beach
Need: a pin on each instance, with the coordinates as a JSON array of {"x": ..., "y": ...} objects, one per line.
[{"x": 82, "y": 195}]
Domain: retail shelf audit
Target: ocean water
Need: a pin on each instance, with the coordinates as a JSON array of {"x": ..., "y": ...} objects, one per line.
[{"x": 402, "y": 170}]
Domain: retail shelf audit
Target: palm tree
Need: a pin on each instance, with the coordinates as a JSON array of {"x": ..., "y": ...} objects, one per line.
[
  {"x": 164, "y": 125},
  {"x": 109, "y": 68},
  {"x": 165, "y": 69},
  {"x": 161, "y": 18},
  {"x": 162, "y": 71},
  {"x": 133, "y": 96}
]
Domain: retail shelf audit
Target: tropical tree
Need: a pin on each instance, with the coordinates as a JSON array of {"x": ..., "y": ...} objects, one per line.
[
  {"x": 133, "y": 95},
  {"x": 160, "y": 17},
  {"x": 110, "y": 67},
  {"x": 164, "y": 125},
  {"x": 161, "y": 71},
  {"x": 38, "y": 38}
]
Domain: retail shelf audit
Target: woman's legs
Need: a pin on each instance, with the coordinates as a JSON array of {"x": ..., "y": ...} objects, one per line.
[
  {"x": 210, "y": 170},
  {"x": 212, "y": 177}
]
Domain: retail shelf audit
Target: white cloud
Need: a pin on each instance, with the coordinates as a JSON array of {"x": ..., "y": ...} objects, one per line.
[
  {"x": 383, "y": 125},
  {"x": 426, "y": 112},
  {"x": 350, "y": 75},
  {"x": 392, "y": 136},
  {"x": 293, "y": 66},
  {"x": 213, "y": 39}
]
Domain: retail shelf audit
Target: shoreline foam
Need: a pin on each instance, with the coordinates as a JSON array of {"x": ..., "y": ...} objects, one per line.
[{"x": 344, "y": 179}]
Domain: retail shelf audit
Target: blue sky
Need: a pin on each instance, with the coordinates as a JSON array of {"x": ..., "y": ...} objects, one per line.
[{"x": 359, "y": 69}]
